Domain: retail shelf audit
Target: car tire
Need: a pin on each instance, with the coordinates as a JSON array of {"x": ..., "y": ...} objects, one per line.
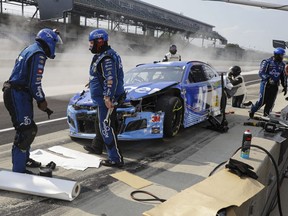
[{"x": 173, "y": 109}]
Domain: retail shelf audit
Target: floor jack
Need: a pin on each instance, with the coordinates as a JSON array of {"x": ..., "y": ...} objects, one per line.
[{"x": 215, "y": 123}]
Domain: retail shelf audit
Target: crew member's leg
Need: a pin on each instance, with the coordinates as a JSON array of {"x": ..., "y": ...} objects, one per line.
[
  {"x": 270, "y": 97},
  {"x": 260, "y": 102},
  {"x": 20, "y": 107},
  {"x": 106, "y": 124},
  {"x": 97, "y": 144}
]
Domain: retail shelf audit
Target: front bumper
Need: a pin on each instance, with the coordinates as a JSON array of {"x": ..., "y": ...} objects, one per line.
[{"x": 133, "y": 125}]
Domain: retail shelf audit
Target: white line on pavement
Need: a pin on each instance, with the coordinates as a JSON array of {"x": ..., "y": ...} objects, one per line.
[{"x": 38, "y": 123}]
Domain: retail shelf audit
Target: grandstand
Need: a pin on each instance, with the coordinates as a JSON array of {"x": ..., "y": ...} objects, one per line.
[{"x": 152, "y": 20}]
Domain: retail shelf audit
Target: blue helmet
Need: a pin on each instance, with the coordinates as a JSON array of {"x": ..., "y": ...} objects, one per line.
[
  {"x": 49, "y": 37},
  {"x": 98, "y": 33},
  {"x": 279, "y": 51}
]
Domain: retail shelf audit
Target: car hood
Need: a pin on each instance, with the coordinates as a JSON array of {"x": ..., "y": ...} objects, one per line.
[
  {"x": 140, "y": 90},
  {"x": 134, "y": 91}
]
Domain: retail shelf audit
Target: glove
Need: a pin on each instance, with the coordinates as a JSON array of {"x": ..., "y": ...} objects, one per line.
[
  {"x": 49, "y": 112},
  {"x": 241, "y": 169},
  {"x": 284, "y": 90},
  {"x": 42, "y": 105}
]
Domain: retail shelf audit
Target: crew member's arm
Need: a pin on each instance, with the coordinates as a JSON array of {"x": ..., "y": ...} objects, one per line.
[
  {"x": 235, "y": 82},
  {"x": 36, "y": 69},
  {"x": 263, "y": 72},
  {"x": 165, "y": 59},
  {"x": 108, "y": 67},
  {"x": 283, "y": 79}
]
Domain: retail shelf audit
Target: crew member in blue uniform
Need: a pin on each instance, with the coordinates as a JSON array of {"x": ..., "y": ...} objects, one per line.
[
  {"x": 23, "y": 85},
  {"x": 107, "y": 89},
  {"x": 272, "y": 72}
]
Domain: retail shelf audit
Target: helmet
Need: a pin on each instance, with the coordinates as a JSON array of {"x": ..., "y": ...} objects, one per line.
[
  {"x": 99, "y": 37},
  {"x": 235, "y": 70},
  {"x": 279, "y": 51},
  {"x": 173, "y": 49},
  {"x": 48, "y": 38},
  {"x": 98, "y": 33},
  {"x": 278, "y": 54}
]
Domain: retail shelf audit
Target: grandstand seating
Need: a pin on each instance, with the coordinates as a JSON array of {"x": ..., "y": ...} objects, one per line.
[{"x": 142, "y": 14}]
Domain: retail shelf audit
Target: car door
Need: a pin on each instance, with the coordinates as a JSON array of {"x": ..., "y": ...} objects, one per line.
[
  {"x": 195, "y": 90},
  {"x": 214, "y": 89}
]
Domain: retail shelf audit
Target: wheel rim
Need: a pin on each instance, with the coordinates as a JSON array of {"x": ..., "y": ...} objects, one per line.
[{"x": 177, "y": 115}]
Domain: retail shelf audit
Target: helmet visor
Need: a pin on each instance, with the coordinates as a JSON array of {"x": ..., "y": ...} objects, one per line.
[{"x": 59, "y": 39}]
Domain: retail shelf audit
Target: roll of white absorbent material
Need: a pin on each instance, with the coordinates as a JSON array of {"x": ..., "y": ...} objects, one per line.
[{"x": 39, "y": 185}]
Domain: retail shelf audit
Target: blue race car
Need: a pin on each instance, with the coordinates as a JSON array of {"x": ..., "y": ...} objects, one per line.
[{"x": 161, "y": 98}]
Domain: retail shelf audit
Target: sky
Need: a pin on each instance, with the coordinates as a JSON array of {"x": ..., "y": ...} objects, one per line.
[{"x": 249, "y": 27}]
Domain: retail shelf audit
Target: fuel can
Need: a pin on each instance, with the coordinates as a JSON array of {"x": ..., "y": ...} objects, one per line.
[{"x": 246, "y": 143}]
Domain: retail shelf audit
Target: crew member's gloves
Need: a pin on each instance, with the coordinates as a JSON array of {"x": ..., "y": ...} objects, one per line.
[
  {"x": 284, "y": 90},
  {"x": 241, "y": 169},
  {"x": 49, "y": 112},
  {"x": 42, "y": 105}
]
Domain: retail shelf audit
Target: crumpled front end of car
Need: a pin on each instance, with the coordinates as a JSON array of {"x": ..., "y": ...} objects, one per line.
[
  {"x": 135, "y": 125},
  {"x": 132, "y": 124}
]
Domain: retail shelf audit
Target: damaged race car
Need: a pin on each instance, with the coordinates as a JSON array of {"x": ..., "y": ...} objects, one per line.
[{"x": 161, "y": 98}]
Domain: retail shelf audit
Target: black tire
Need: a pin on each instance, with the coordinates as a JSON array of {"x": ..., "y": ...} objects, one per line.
[{"x": 173, "y": 108}]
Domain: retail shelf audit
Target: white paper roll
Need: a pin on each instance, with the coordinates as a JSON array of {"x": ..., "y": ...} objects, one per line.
[{"x": 39, "y": 185}]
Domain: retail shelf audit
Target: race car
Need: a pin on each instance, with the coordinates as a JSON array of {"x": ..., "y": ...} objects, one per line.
[{"x": 161, "y": 98}]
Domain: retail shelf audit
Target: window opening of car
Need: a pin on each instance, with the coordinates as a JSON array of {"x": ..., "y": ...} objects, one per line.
[
  {"x": 196, "y": 74},
  {"x": 154, "y": 74},
  {"x": 209, "y": 72}
]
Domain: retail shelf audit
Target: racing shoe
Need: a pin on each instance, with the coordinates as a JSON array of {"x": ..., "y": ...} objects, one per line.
[
  {"x": 32, "y": 163},
  {"x": 92, "y": 150},
  {"x": 251, "y": 115},
  {"x": 249, "y": 103},
  {"x": 110, "y": 163},
  {"x": 29, "y": 172}
]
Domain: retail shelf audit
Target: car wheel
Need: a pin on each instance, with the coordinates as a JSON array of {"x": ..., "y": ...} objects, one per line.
[{"x": 173, "y": 108}]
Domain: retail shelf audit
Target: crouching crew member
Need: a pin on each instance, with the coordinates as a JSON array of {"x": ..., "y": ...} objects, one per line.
[{"x": 238, "y": 82}]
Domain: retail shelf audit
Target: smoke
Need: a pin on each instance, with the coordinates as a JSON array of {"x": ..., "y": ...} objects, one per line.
[{"x": 69, "y": 71}]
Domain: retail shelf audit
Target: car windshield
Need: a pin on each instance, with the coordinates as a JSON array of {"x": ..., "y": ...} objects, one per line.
[{"x": 154, "y": 74}]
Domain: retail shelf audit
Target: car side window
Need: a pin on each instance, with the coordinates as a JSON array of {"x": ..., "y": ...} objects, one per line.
[
  {"x": 196, "y": 74},
  {"x": 210, "y": 73}
]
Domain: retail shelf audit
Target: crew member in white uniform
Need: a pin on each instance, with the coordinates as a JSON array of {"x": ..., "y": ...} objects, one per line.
[
  {"x": 172, "y": 55},
  {"x": 238, "y": 82}
]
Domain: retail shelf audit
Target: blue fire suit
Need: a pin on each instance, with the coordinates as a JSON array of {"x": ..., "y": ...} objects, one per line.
[
  {"x": 106, "y": 79},
  {"x": 271, "y": 74},
  {"x": 23, "y": 85}
]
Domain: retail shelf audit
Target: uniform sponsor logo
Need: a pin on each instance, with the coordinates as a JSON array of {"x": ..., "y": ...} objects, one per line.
[
  {"x": 27, "y": 120},
  {"x": 39, "y": 92}
]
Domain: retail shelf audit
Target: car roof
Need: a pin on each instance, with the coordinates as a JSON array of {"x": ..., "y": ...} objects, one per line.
[{"x": 174, "y": 63}]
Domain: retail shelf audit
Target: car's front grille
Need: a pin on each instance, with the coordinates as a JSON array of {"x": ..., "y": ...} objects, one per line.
[
  {"x": 83, "y": 107},
  {"x": 136, "y": 125},
  {"x": 86, "y": 123}
]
